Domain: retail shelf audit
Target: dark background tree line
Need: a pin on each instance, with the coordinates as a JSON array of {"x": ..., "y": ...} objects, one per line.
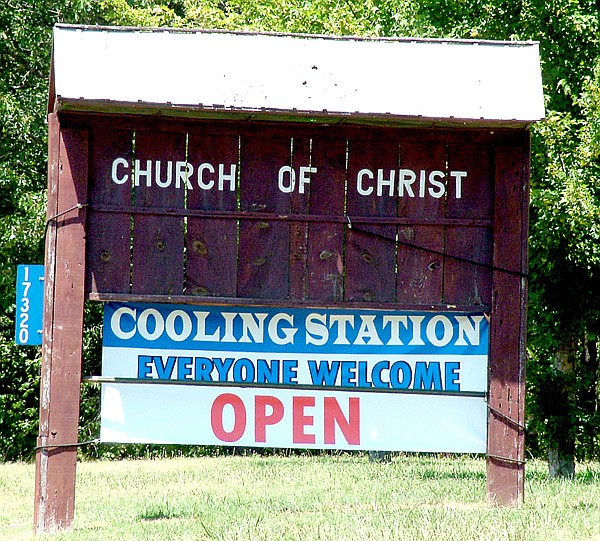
[{"x": 564, "y": 301}]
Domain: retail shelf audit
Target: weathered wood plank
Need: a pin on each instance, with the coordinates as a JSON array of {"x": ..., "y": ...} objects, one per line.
[
  {"x": 325, "y": 267},
  {"x": 109, "y": 234},
  {"x": 466, "y": 282},
  {"x": 471, "y": 196},
  {"x": 420, "y": 272},
  {"x": 371, "y": 249},
  {"x": 158, "y": 241},
  {"x": 263, "y": 254},
  {"x": 421, "y": 196},
  {"x": 212, "y": 243},
  {"x": 299, "y": 204}
]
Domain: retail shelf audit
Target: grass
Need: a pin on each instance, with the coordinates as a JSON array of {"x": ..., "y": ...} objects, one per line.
[{"x": 306, "y": 498}]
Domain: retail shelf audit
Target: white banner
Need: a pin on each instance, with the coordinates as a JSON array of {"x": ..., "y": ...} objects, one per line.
[{"x": 339, "y": 379}]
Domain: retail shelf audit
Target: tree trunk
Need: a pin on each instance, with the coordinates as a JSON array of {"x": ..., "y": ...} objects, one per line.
[
  {"x": 561, "y": 450},
  {"x": 561, "y": 464},
  {"x": 380, "y": 456},
  {"x": 588, "y": 393}
]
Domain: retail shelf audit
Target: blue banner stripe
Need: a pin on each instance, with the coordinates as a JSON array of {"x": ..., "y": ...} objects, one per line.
[{"x": 294, "y": 330}]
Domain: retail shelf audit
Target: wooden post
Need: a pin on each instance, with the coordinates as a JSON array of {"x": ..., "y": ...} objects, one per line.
[
  {"x": 506, "y": 419},
  {"x": 56, "y": 455}
]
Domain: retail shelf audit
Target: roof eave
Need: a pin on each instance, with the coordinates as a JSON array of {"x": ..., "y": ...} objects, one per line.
[{"x": 59, "y": 104}]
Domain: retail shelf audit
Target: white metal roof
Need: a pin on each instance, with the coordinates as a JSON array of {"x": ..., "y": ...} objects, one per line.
[{"x": 214, "y": 71}]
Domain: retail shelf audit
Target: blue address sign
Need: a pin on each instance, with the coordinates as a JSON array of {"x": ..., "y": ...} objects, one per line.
[{"x": 30, "y": 305}]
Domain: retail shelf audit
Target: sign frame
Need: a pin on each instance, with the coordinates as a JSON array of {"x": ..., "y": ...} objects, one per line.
[{"x": 340, "y": 249}]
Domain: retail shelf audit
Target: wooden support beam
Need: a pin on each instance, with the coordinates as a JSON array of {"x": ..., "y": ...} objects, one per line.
[
  {"x": 506, "y": 418},
  {"x": 56, "y": 455}
]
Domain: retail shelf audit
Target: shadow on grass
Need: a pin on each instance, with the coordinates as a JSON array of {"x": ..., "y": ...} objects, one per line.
[
  {"x": 583, "y": 477},
  {"x": 430, "y": 474},
  {"x": 160, "y": 513},
  {"x": 166, "y": 513}
]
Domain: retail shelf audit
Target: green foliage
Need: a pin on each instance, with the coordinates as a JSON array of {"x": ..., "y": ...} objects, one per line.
[
  {"x": 565, "y": 228},
  {"x": 123, "y": 13},
  {"x": 565, "y": 273},
  {"x": 19, "y": 380},
  {"x": 24, "y": 56},
  {"x": 565, "y": 221},
  {"x": 319, "y": 17}
]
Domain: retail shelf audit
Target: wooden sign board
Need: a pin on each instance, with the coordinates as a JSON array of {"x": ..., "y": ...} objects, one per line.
[
  {"x": 284, "y": 213},
  {"x": 281, "y": 214}
]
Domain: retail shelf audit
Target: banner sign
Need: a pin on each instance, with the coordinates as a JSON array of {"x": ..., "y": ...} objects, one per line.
[{"x": 295, "y": 377}]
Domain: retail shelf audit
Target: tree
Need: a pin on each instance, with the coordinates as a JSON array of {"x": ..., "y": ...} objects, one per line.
[
  {"x": 565, "y": 165},
  {"x": 565, "y": 284},
  {"x": 24, "y": 56}
]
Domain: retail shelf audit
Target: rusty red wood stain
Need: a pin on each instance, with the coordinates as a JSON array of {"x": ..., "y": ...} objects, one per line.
[
  {"x": 290, "y": 215},
  {"x": 366, "y": 215}
]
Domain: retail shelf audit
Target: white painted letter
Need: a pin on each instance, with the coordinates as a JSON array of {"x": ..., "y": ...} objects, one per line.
[
  {"x": 432, "y": 327},
  {"x": 115, "y": 164},
  {"x": 139, "y": 172},
  {"x": 407, "y": 177},
  {"x": 184, "y": 172},
  {"x": 228, "y": 336},
  {"x": 395, "y": 328},
  {"x": 230, "y": 177},
  {"x": 368, "y": 330},
  {"x": 359, "y": 179},
  {"x": 292, "y": 182},
  {"x": 167, "y": 182},
  {"x": 471, "y": 330},
  {"x": 256, "y": 327},
  {"x": 159, "y": 324},
  {"x": 316, "y": 331},
  {"x": 305, "y": 177},
  {"x": 201, "y": 334},
  {"x": 458, "y": 176},
  {"x": 186, "y": 328},
  {"x": 288, "y": 332},
  {"x": 440, "y": 185},
  {"x": 416, "y": 339},
  {"x": 381, "y": 182},
  {"x": 205, "y": 185},
  {"x": 115, "y": 323},
  {"x": 341, "y": 321}
]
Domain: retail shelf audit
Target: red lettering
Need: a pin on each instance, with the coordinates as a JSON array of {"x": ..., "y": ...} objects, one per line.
[
  {"x": 262, "y": 419},
  {"x": 333, "y": 415},
  {"x": 300, "y": 420},
  {"x": 216, "y": 417}
]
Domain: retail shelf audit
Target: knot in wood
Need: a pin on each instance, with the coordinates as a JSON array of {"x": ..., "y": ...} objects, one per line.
[
  {"x": 198, "y": 247},
  {"x": 369, "y": 296},
  {"x": 368, "y": 258},
  {"x": 408, "y": 233},
  {"x": 258, "y": 262}
]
